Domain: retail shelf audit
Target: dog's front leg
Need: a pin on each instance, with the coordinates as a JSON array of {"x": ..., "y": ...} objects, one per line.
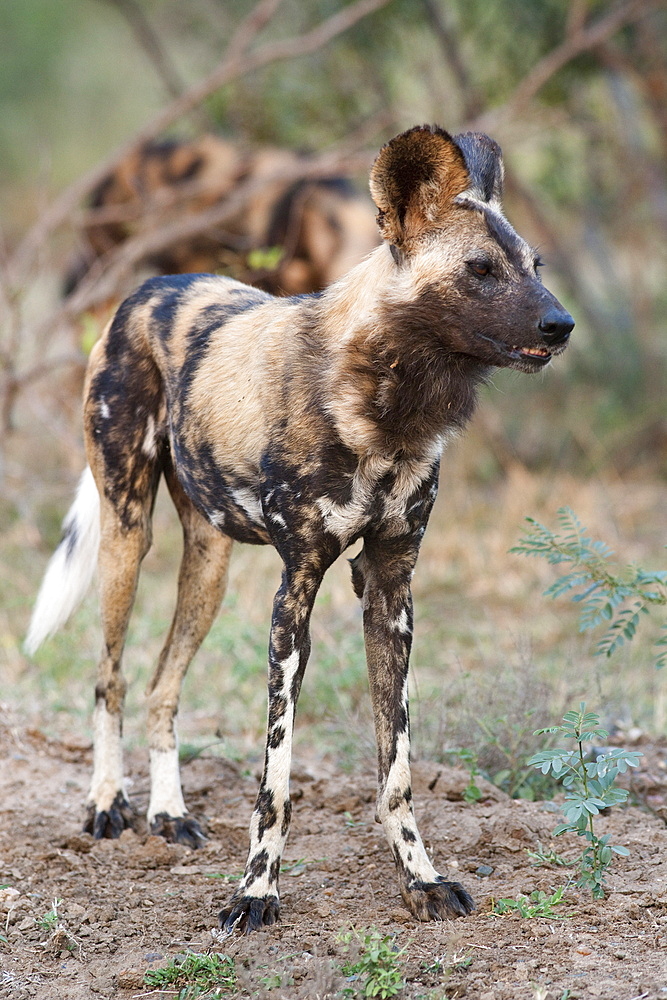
[
  {"x": 381, "y": 576},
  {"x": 255, "y": 901}
]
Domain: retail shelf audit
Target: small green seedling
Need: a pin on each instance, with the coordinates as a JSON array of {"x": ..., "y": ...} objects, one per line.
[
  {"x": 468, "y": 758},
  {"x": 191, "y": 974},
  {"x": 444, "y": 965},
  {"x": 538, "y": 904},
  {"x": 350, "y": 822},
  {"x": 49, "y": 921},
  {"x": 298, "y": 867},
  {"x": 274, "y": 981},
  {"x": 231, "y": 877},
  {"x": 376, "y": 971},
  {"x": 589, "y": 788},
  {"x": 548, "y": 856}
]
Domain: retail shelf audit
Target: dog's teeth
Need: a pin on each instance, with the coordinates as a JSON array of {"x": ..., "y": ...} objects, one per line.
[{"x": 538, "y": 352}]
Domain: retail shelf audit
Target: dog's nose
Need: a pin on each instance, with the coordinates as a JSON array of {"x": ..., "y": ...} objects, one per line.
[{"x": 556, "y": 326}]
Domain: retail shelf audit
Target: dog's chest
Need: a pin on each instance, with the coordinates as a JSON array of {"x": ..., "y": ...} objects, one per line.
[
  {"x": 385, "y": 497},
  {"x": 377, "y": 495}
]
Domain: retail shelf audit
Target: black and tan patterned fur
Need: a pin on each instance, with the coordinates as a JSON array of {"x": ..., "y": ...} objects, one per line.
[{"x": 309, "y": 424}]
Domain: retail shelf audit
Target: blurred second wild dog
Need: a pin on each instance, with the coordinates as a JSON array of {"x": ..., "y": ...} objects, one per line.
[{"x": 309, "y": 231}]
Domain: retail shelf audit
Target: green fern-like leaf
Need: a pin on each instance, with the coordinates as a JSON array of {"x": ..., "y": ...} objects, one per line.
[{"x": 608, "y": 599}]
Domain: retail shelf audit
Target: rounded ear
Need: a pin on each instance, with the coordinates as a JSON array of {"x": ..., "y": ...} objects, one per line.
[
  {"x": 414, "y": 180},
  {"x": 484, "y": 160}
]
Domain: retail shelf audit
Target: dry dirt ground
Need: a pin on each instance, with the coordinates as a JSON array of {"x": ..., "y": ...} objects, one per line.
[{"x": 132, "y": 904}]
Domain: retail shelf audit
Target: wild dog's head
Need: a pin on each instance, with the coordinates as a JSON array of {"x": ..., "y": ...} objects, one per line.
[{"x": 475, "y": 280}]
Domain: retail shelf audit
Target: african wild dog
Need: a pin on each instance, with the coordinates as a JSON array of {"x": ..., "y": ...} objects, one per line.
[
  {"x": 307, "y": 423},
  {"x": 323, "y": 226}
]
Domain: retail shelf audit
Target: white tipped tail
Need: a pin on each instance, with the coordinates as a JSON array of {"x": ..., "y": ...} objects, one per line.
[{"x": 70, "y": 572}]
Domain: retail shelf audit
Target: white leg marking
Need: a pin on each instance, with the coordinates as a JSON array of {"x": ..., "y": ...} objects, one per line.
[
  {"x": 276, "y": 779},
  {"x": 166, "y": 794},
  {"x": 107, "y": 779},
  {"x": 401, "y": 623},
  {"x": 395, "y": 821},
  {"x": 149, "y": 447}
]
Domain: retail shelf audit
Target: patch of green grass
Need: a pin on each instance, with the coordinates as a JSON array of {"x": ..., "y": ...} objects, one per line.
[
  {"x": 274, "y": 980},
  {"x": 538, "y": 904},
  {"x": 287, "y": 868},
  {"x": 225, "y": 877},
  {"x": 375, "y": 970},
  {"x": 489, "y": 717},
  {"x": 194, "y": 975},
  {"x": 444, "y": 965}
]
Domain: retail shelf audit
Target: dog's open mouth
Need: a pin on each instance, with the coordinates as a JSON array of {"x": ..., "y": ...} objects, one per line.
[
  {"x": 525, "y": 357},
  {"x": 539, "y": 354}
]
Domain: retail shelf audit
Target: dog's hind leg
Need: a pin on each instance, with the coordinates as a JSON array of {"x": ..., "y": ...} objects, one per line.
[
  {"x": 255, "y": 901},
  {"x": 381, "y": 575},
  {"x": 122, "y": 548},
  {"x": 201, "y": 587}
]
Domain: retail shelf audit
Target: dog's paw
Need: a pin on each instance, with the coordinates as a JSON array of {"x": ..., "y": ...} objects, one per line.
[
  {"x": 439, "y": 900},
  {"x": 249, "y": 913},
  {"x": 179, "y": 830},
  {"x": 109, "y": 823}
]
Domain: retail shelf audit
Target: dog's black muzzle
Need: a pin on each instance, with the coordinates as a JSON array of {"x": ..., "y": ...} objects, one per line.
[{"x": 556, "y": 326}]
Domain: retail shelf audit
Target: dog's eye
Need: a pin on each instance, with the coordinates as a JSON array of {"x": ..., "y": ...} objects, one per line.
[{"x": 480, "y": 267}]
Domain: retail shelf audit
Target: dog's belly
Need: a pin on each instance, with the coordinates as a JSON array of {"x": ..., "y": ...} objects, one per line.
[
  {"x": 229, "y": 501},
  {"x": 239, "y": 515}
]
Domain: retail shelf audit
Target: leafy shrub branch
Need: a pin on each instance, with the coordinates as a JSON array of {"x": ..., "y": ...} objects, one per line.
[{"x": 617, "y": 598}]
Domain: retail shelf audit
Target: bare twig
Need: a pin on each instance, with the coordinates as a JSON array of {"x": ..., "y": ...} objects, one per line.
[
  {"x": 576, "y": 17},
  {"x": 582, "y": 38},
  {"x": 261, "y": 14},
  {"x": 151, "y": 44},
  {"x": 470, "y": 99},
  {"x": 235, "y": 63}
]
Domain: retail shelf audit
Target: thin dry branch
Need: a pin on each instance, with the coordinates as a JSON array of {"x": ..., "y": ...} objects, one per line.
[
  {"x": 236, "y": 62},
  {"x": 581, "y": 38},
  {"x": 251, "y": 25},
  {"x": 151, "y": 44},
  {"x": 470, "y": 99}
]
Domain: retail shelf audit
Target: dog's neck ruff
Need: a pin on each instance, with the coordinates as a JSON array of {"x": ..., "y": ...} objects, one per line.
[{"x": 392, "y": 386}]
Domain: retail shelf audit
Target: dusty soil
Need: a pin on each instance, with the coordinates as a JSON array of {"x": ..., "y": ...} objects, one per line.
[{"x": 132, "y": 904}]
